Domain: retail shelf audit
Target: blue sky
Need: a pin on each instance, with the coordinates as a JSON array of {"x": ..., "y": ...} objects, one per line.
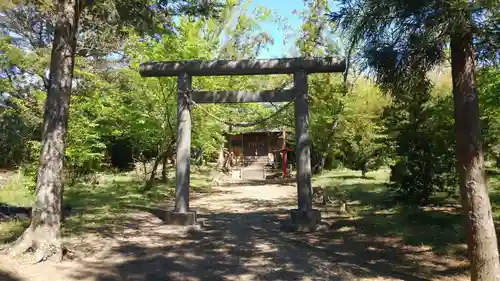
[{"x": 285, "y": 10}]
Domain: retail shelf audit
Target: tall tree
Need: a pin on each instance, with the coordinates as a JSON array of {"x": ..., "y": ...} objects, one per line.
[
  {"x": 425, "y": 27},
  {"x": 43, "y": 235},
  {"x": 44, "y": 231}
]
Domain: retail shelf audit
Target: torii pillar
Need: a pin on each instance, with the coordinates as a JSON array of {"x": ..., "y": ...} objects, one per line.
[{"x": 304, "y": 216}]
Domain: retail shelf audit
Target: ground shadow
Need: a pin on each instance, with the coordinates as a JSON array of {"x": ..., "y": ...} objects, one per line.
[
  {"x": 89, "y": 209},
  {"x": 6, "y": 276},
  {"x": 493, "y": 172},
  {"x": 351, "y": 177},
  {"x": 441, "y": 231},
  {"x": 251, "y": 246},
  {"x": 271, "y": 205},
  {"x": 104, "y": 208},
  {"x": 110, "y": 207},
  {"x": 14, "y": 219},
  {"x": 376, "y": 214},
  {"x": 364, "y": 194},
  {"x": 250, "y": 182},
  {"x": 10, "y": 212}
]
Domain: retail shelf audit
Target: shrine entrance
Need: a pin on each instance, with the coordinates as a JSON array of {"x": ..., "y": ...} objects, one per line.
[{"x": 298, "y": 67}]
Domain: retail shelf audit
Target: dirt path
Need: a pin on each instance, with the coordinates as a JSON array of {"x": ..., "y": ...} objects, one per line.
[{"x": 240, "y": 239}]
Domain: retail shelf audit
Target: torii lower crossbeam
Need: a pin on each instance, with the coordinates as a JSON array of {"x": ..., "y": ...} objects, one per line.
[{"x": 304, "y": 215}]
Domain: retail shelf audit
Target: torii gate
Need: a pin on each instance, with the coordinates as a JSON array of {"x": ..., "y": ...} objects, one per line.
[{"x": 185, "y": 70}]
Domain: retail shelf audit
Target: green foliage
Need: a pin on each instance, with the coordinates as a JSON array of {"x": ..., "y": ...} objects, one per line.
[
  {"x": 85, "y": 147},
  {"x": 316, "y": 31},
  {"x": 326, "y": 101},
  {"x": 12, "y": 138},
  {"x": 152, "y": 103},
  {"x": 345, "y": 122},
  {"x": 362, "y": 131},
  {"x": 425, "y": 162},
  {"x": 402, "y": 43},
  {"x": 489, "y": 87},
  {"x": 33, "y": 20},
  {"x": 20, "y": 103},
  {"x": 424, "y": 159},
  {"x": 112, "y": 102}
]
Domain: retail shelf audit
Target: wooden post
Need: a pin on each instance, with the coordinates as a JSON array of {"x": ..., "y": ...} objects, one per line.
[
  {"x": 284, "y": 163},
  {"x": 303, "y": 153},
  {"x": 182, "y": 168},
  {"x": 285, "y": 152},
  {"x": 230, "y": 147}
]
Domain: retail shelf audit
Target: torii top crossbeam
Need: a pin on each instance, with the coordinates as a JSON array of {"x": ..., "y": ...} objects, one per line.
[{"x": 242, "y": 67}]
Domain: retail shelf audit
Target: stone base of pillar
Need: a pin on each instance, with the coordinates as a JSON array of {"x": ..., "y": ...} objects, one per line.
[
  {"x": 305, "y": 220},
  {"x": 175, "y": 218}
]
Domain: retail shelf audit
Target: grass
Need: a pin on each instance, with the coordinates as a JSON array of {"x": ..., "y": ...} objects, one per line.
[
  {"x": 361, "y": 193},
  {"x": 372, "y": 213},
  {"x": 99, "y": 207},
  {"x": 494, "y": 186},
  {"x": 15, "y": 191}
]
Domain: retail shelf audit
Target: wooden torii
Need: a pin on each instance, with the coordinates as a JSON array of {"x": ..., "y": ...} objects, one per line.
[{"x": 298, "y": 67}]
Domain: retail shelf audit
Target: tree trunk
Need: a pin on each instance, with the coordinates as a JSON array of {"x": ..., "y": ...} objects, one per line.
[
  {"x": 199, "y": 157},
  {"x": 164, "y": 177},
  {"x": 171, "y": 157},
  {"x": 226, "y": 166},
  {"x": 220, "y": 159},
  {"x": 152, "y": 175},
  {"x": 320, "y": 166},
  {"x": 44, "y": 233},
  {"x": 481, "y": 236},
  {"x": 364, "y": 170},
  {"x": 168, "y": 154}
]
